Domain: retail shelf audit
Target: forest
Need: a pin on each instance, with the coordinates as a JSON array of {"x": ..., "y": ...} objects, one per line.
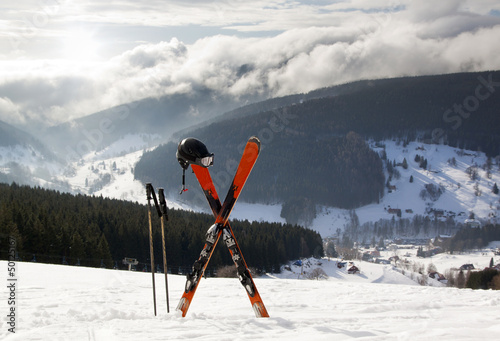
[
  {"x": 61, "y": 228},
  {"x": 314, "y": 149},
  {"x": 472, "y": 238}
]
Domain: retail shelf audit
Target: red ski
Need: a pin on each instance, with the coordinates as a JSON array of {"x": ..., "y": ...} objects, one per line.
[{"x": 222, "y": 227}]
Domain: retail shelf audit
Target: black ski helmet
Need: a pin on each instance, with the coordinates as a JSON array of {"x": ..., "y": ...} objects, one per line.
[{"x": 193, "y": 151}]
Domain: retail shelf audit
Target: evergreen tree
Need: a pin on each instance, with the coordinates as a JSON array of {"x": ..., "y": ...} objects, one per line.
[
  {"x": 495, "y": 188},
  {"x": 411, "y": 178},
  {"x": 330, "y": 250},
  {"x": 52, "y": 225},
  {"x": 381, "y": 243},
  {"x": 461, "y": 280},
  {"x": 77, "y": 248},
  {"x": 405, "y": 164}
]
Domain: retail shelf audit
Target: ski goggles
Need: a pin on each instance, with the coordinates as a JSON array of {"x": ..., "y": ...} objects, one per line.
[{"x": 206, "y": 161}]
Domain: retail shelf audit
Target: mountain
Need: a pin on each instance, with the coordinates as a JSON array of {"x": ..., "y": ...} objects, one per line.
[
  {"x": 314, "y": 150},
  {"x": 156, "y": 117},
  {"x": 25, "y": 159},
  {"x": 11, "y": 136}
]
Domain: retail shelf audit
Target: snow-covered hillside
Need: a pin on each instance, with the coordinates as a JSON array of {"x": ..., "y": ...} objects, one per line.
[
  {"x": 24, "y": 163},
  {"x": 109, "y": 172},
  {"x": 55, "y": 302},
  {"x": 446, "y": 169}
]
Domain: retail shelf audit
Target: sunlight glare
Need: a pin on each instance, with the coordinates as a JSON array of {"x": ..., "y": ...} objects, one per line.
[{"x": 81, "y": 46}]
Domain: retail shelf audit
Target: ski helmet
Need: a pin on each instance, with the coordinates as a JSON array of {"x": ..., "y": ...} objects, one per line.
[{"x": 193, "y": 151}]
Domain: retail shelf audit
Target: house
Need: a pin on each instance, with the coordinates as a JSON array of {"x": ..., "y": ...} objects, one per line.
[
  {"x": 467, "y": 267},
  {"x": 353, "y": 270},
  {"x": 367, "y": 257},
  {"x": 409, "y": 210},
  {"x": 396, "y": 211},
  {"x": 341, "y": 265},
  {"x": 437, "y": 276},
  {"x": 472, "y": 223}
]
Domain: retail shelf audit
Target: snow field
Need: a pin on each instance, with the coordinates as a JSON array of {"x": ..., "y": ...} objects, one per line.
[{"x": 58, "y": 302}]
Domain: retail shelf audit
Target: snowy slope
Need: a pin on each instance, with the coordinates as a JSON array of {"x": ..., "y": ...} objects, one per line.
[
  {"x": 55, "y": 302},
  {"x": 459, "y": 195},
  {"x": 109, "y": 172},
  {"x": 24, "y": 162},
  {"x": 458, "y": 200}
]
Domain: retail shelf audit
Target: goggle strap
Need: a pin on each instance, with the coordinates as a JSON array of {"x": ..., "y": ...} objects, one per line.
[{"x": 183, "y": 189}]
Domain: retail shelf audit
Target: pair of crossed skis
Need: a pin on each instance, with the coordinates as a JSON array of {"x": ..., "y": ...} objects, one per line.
[{"x": 222, "y": 226}]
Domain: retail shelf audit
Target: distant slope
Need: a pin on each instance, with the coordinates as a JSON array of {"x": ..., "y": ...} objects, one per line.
[
  {"x": 155, "y": 116},
  {"x": 12, "y": 136},
  {"x": 24, "y": 158}
]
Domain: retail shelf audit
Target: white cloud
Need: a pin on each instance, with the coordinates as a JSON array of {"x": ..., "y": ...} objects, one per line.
[
  {"x": 320, "y": 44},
  {"x": 9, "y": 112}
]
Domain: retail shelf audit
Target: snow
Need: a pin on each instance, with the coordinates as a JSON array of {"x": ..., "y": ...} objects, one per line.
[
  {"x": 116, "y": 162},
  {"x": 56, "y": 302},
  {"x": 459, "y": 195},
  {"x": 29, "y": 158}
]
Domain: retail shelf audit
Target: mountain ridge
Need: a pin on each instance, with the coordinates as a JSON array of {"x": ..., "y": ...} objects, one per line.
[{"x": 301, "y": 141}]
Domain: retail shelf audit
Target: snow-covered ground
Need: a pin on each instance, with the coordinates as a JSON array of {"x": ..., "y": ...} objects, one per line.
[
  {"x": 459, "y": 194},
  {"x": 31, "y": 161},
  {"x": 55, "y": 302}
]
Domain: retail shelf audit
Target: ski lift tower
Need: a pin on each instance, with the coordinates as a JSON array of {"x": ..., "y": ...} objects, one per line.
[{"x": 130, "y": 262}]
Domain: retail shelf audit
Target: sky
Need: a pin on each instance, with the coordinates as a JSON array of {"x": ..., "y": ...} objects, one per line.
[{"x": 64, "y": 59}]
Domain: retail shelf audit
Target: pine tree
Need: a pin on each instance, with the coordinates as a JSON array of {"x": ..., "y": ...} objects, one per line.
[
  {"x": 381, "y": 243},
  {"x": 77, "y": 248},
  {"x": 411, "y": 179},
  {"x": 461, "y": 279},
  {"x": 330, "y": 250},
  {"x": 103, "y": 251},
  {"x": 405, "y": 164},
  {"x": 495, "y": 188}
]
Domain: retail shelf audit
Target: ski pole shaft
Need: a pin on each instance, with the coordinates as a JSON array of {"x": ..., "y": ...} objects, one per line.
[
  {"x": 149, "y": 190},
  {"x": 163, "y": 206}
]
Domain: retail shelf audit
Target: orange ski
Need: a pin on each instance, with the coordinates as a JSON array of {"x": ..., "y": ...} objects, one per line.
[{"x": 221, "y": 226}]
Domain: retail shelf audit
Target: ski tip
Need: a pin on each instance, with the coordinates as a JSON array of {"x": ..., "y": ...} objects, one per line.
[
  {"x": 260, "y": 310},
  {"x": 254, "y": 139}
]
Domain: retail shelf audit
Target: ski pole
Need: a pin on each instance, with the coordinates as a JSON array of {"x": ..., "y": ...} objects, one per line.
[
  {"x": 149, "y": 191},
  {"x": 164, "y": 217}
]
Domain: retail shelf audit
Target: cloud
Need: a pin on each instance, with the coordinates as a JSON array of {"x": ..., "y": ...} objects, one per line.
[
  {"x": 309, "y": 44},
  {"x": 9, "y": 112}
]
